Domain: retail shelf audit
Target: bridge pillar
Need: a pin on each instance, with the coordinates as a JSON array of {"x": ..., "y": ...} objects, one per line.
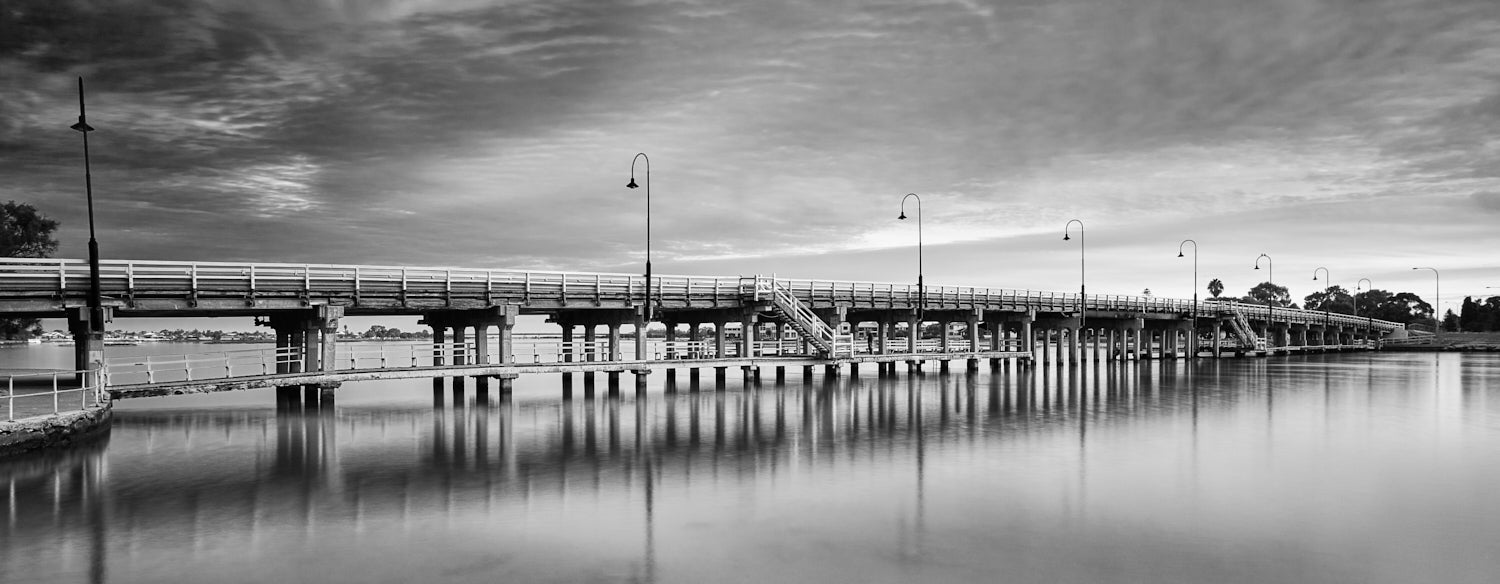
[
  {"x": 640, "y": 334},
  {"x": 88, "y": 340},
  {"x": 913, "y": 333},
  {"x": 719, "y": 339},
  {"x": 460, "y": 336},
  {"x": 614, "y": 340},
  {"x": 748, "y": 327},
  {"x": 1218, "y": 345},
  {"x": 640, "y": 350},
  {"x": 1074, "y": 345},
  {"x": 1028, "y": 337},
  {"x": 971, "y": 328}
]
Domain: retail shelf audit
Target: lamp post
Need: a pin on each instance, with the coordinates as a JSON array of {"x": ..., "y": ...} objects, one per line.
[
  {"x": 1437, "y": 293},
  {"x": 632, "y": 185},
  {"x": 1082, "y": 273},
  {"x": 1370, "y": 323},
  {"x": 921, "y": 284},
  {"x": 1327, "y": 296},
  {"x": 1195, "y": 279},
  {"x": 1270, "y": 271},
  {"x": 95, "y": 303}
]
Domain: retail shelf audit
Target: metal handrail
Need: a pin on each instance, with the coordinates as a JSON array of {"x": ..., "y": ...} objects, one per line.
[{"x": 53, "y": 386}]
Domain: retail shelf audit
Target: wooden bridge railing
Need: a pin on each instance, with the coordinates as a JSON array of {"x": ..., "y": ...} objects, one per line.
[{"x": 24, "y": 278}]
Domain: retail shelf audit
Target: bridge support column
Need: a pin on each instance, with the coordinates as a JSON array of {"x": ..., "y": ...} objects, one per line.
[
  {"x": 614, "y": 340},
  {"x": 1074, "y": 345},
  {"x": 913, "y": 333},
  {"x": 748, "y": 326},
  {"x": 1028, "y": 337},
  {"x": 88, "y": 340},
  {"x": 671, "y": 352},
  {"x": 719, "y": 344},
  {"x": 1218, "y": 343},
  {"x": 971, "y": 329},
  {"x": 640, "y": 350}
]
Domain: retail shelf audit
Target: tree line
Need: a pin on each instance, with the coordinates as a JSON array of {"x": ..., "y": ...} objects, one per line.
[{"x": 1402, "y": 307}]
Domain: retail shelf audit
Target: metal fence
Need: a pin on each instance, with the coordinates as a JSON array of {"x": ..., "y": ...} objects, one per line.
[{"x": 52, "y": 392}]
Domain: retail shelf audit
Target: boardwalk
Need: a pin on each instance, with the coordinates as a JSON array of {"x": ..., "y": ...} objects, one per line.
[{"x": 755, "y": 322}]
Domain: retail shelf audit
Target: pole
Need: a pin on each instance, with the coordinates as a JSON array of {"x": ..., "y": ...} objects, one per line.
[
  {"x": 95, "y": 303},
  {"x": 921, "y": 283},
  {"x": 1082, "y": 267},
  {"x": 1195, "y": 285},
  {"x": 1437, "y": 293},
  {"x": 631, "y": 184}
]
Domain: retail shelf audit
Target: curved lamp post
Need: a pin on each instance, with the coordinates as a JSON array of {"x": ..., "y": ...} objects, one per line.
[
  {"x": 95, "y": 302},
  {"x": 1327, "y": 296},
  {"x": 921, "y": 284},
  {"x": 632, "y": 185},
  {"x": 1270, "y": 271},
  {"x": 1195, "y": 279},
  {"x": 1081, "y": 266},
  {"x": 1371, "y": 323},
  {"x": 1437, "y": 293}
]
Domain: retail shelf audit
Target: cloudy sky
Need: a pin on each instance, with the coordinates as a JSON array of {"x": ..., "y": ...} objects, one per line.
[{"x": 1360, "y": 135}]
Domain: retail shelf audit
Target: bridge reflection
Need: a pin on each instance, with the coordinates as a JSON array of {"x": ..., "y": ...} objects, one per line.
[{"x": 257, "y": 473}]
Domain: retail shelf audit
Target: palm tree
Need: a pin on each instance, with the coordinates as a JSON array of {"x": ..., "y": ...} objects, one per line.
[{"x": 1215, "y": 287}]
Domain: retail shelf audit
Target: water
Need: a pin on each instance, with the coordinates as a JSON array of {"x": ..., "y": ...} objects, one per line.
[{"x": 1339, "y": 468}]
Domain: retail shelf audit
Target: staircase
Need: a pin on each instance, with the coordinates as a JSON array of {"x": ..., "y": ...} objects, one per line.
[
  {"x": 1244, "y": 333},
  {"x": 801, "y": 318}
]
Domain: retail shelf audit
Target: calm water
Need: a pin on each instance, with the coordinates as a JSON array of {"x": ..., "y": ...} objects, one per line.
[{"x": 1345, "y": 468}]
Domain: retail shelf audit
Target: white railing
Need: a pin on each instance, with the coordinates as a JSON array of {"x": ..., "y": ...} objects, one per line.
[
  {"x": 200, "y": 366},
  {"x": 53, "y": 392},
  {"x": 118, "y": 278}
]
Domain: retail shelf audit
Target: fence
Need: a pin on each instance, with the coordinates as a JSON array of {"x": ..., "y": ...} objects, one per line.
[{"x": 53, "y": 392}]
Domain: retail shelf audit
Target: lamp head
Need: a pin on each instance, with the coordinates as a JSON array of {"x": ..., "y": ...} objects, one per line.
[
  {"x": 1257, "y": 266},
  {"x": 1315, "y": 277},
  {"x": 631, "y": 184},
  {"x": 1179, "y": 254},
  {"x": 903, "y": 215},
  {"x": 82, "y": 126},
  {"x": 1065, "y": 237}
]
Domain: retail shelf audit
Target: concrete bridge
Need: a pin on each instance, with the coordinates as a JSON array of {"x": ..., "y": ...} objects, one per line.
[{"x": 757, "y": 322}]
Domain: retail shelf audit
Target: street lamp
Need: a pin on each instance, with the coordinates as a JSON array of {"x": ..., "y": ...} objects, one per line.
[
  {"x": 921, "y": 284},
  {"x": 1195, "y": 280},
  {"x": 95, "y": 303},
  {"x": 1327, "y": 295},
  {"x": 1437, "y": 293},
  {"x": 1081, "y": 266},
  {"x": 1271, "y": 271},
  {"x": 1371, "y": 318},
  {"x": 632, "y": 185}
]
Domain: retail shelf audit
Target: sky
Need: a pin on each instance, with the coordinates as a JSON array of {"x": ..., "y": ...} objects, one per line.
[{"x": 1357, "y": 135}]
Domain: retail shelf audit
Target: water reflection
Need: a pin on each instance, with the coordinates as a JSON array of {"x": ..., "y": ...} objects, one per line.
[{"x": 175, "y": 488}]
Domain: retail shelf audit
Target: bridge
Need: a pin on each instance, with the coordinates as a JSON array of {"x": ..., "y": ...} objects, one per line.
[{"x": 757, "y": 322}]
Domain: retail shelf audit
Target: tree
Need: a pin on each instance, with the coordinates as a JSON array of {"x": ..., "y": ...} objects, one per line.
[
  {"x": 24, "y": 233},
  {"x": 1215, "y": 287},
  {"x": 1450, "y": 321},
  {"x": 1402, "y": 307},
  {"x": 1268, "y": 293},
  {"x": 1471, "y": 315},
  {"x": 1334, "y": 299}
]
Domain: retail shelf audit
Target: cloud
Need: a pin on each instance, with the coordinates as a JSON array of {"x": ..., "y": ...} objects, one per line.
[{"x": 785, "y": 132}]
